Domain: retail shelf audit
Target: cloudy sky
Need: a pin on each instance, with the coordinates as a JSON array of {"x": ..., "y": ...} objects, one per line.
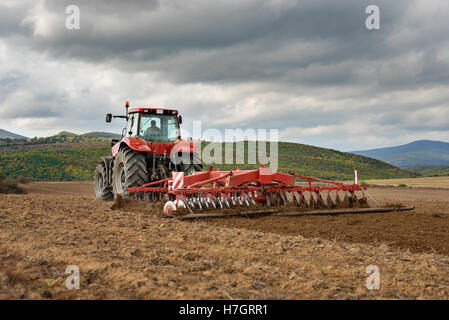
[{"x": 308, "y": 68}]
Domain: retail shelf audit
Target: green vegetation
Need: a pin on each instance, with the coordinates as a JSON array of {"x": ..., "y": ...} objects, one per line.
[
  {"x": 61, "y": 137},
  {"x": 77, "y": 161},
  {"x": 106, "y": 135},
  {"x": 53, "y": 164},
  {"x": 1, "y": 175},
  {"x": 431, "y": 171},
  {"x": 53, "y": 139},
  {"x": 66, "y": 134},
  {"x": 94, "y": 134},
  {"x": 320, "y": 162}
]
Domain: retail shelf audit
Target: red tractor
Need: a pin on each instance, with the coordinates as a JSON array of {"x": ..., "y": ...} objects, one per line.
[{"x": 149, "y": 150}]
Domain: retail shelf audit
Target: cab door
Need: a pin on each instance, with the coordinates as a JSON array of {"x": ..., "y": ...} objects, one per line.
[{"x": 132, "y": 128}]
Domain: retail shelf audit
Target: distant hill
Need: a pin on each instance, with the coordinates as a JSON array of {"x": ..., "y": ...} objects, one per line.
[
  {"x": 326, "y": 163},
  {"x": 45, "y": 160},
  {"x": 414, "y": 154},
  {"x": 106, "y": 135},
  {"x": 65, "y": 134},
  {"x": 94, "y": 134},
  {"x": 6, "y": 134},
  {"x": 431, "y": 171}
]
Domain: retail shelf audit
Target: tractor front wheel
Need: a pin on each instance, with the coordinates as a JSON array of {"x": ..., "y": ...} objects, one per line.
[
  {"x": 130, "y": 170},
  {"x": 103, "y": 191}
]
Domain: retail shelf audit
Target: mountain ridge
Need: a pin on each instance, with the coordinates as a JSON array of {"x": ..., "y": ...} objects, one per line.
[
  {"x": 414, "y": 154},
  {"x": 4, "y": 134}
]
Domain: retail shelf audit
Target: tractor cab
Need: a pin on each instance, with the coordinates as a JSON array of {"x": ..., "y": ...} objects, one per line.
[
  {"x": 151, "y": 124},
  {"x": 149, "y": 150},
  {"x": 155, "y": 125}
]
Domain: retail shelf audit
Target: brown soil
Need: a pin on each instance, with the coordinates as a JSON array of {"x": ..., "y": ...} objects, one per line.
[
  {"x": 425, "y": 229},
  {"x": 129, "y": 253},
  {"x": 78, "y": 187}
]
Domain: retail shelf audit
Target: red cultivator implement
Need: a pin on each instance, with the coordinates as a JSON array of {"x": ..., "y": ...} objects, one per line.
[
  {"x": 260, "y": 191},
  {"x": 146, "y": 152}
]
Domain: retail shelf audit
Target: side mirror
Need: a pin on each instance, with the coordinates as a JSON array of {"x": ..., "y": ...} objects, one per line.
[
  {"x": 180, "y": 119},
  {"x": 108, "y": 117}
]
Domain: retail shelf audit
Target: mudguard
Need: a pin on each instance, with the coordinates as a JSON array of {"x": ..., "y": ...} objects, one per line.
[
  {"x": 139, "y": 144},
  {"x": 134, "y": 143}
]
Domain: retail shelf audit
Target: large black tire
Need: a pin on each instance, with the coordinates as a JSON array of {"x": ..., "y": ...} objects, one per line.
[
  {"x": 103, "y": 191},
  {"x": 130, "y": 170}
]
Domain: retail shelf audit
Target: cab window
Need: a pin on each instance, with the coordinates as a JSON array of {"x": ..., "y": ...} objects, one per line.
[{"x": 162, "y": 128}]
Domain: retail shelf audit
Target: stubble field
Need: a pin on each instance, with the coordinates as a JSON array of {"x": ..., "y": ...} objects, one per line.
[{"x": 133, "y": 253}]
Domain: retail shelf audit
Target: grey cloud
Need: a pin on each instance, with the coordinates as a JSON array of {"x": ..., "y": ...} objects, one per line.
[
  {"x": 11, "y": 19},
  {"x": 248, "y": 41},
  {"x": 273, "y": 64}
]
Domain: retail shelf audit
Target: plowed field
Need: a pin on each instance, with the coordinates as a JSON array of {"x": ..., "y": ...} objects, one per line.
[{"x": 134, "y": 253}]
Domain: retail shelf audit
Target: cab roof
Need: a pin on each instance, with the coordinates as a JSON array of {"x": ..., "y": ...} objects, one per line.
[{"x": 154, "y": 111}]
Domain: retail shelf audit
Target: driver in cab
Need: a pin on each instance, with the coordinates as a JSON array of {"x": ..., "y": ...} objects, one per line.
[{"x": 153, "y": 130}]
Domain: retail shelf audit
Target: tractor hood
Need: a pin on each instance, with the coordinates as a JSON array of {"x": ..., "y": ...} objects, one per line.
[{"x": 142, "y": 145}]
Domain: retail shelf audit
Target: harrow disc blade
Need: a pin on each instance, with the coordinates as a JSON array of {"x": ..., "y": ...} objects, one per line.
[
  {"x": 169, "y": 208},
  {"x": 197, "y": 203},
  {"x": 251, "y": 199},
  {"x": 321, "y": 203},
  {"x": 212, "y": 203},
  {"x": 346, "y": 202},
  {"x": 282, "y": 198},
  {"x": 294, "y": 200},
  {"x": 180, "y": 204},
  {"x": 205, "y": 202},
  {"x": 338, "y": 200},
  {"x": 312, "y": 202},
  {"x": 363, "y": 202},
  {"x": 301, "y": 200},
  {"x": 239, "y": 200},
  {"x": 225, "y": 201},
  {"x": 219, "y": 204},
  {"x": 330, "y": 203}
]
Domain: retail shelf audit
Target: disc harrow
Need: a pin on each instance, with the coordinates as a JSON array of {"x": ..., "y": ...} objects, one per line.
[{"x": 261, "y": 190}]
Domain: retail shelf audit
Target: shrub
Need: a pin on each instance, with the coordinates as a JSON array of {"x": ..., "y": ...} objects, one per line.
[
  {"x": 9, "y": 186},
  {"x": 22, "y": 179},
  {"x": 1, "y": 175}
]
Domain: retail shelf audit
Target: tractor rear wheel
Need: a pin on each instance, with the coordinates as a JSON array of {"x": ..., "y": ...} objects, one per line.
[
  {"x": 130, "y": 170},
  {"x": 103, "y": 191}
]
